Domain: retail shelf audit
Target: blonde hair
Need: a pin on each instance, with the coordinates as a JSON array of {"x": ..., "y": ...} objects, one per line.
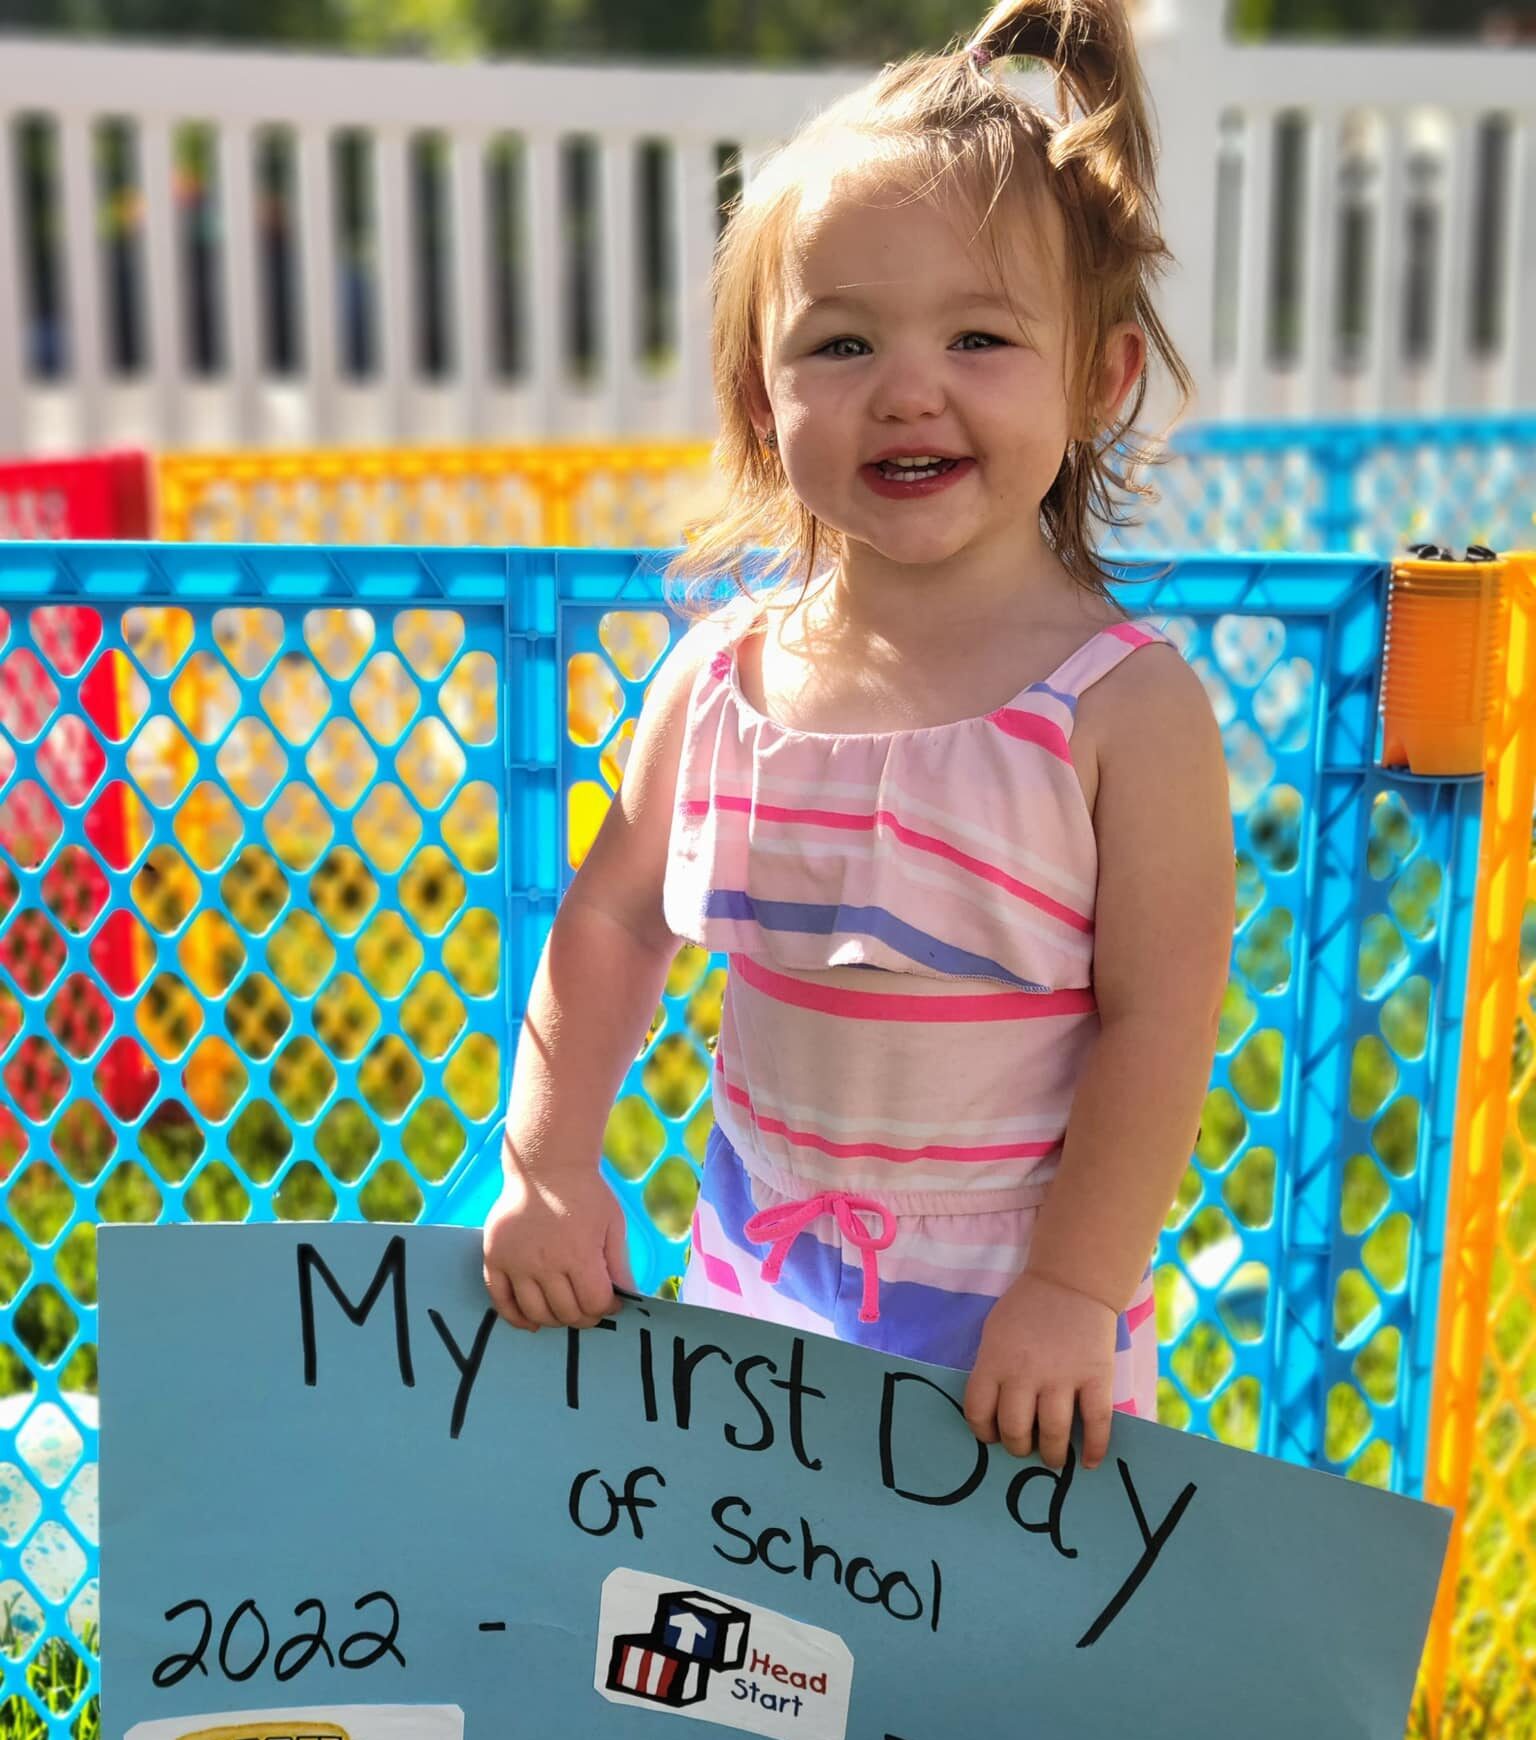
[{"x": 929, "y": 118}]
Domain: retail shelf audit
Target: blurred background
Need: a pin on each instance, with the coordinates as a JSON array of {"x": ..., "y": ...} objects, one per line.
[{"x": 270, "y": 224}]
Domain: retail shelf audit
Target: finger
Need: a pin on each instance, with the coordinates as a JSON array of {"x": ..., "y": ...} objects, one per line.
[
  {"x": 593, "y": 1290},
  {"x": 532, "y": 1303},
  {"x": 500, "y": 1290},
  {"x": 1016, "y": 1418},
  {"x": 981, "y": 1407},
  {"x": 561, "y": 1299},
  {"x": 616, "y": 1256},
  {"x": 1054, "y": 1425},
  {"x": 1097, "y": 1410}
]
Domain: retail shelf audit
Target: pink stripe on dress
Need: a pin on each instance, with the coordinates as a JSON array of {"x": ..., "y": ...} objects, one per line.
[
  {"x": 1030, "y": 727},
  {"x": 1131, "y": 634},
  {"x": 884, "y": 1006},
  {"x": 694, "y": 807},
  {"x": 882, "y": 1150}
]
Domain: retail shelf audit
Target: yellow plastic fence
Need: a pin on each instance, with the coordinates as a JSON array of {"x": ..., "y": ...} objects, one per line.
[
  {"x": 636, "y": 494},
  {"x": 1482, "y": 1461}
]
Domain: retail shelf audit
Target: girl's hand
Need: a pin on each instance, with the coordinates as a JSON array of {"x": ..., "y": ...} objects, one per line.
[
  {"x": 1045, "y": 1348},
  {"x": 554, "y": 1251}
]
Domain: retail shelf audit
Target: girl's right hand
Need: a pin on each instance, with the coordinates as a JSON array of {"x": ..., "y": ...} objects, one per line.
[{"x": 554, "y": 1252}]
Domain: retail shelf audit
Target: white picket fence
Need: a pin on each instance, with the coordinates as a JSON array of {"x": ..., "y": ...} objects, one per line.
[{"x": 207, "y": 249}]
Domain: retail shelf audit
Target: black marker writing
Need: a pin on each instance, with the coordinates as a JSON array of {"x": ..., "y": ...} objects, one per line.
[
  {"x": 391, "y": 1268},
  {"x": 1061, "y": 1485},
  {"x": 469, "y": 1368},
  {"x": 247, "y": 1633},
  {"x": 956, "y": 1494},
  {"x": 629, "y": 1503},
  {"x": 1152, "y": 1545}
]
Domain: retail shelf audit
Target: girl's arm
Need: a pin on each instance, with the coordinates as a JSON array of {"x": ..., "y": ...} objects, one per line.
[
  {"x": 1162, "y": 943},
  {"x": 555, "y": 1239},
  {"x": 1162, "y": 946}
]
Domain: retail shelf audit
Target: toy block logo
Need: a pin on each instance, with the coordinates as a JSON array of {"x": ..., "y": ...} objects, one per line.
[{"x": 692, "y": 1635}]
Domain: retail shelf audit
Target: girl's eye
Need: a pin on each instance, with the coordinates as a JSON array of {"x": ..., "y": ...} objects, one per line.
[{"x": 833, "y": 346}]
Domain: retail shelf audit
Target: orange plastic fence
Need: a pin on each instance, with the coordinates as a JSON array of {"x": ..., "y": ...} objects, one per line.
[
  {"x": 1482, "y": 1643},
  {"x": 636, "y": 494}
]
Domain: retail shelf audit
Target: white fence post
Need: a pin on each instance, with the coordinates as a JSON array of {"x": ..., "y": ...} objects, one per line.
[
  {"x": 1519, "y": 372},
  {"x": 318, "y": 295},
  {"x": 82, "y": 275},
  {"x": 546, "y": 328},
  {"x": 1321, "y": 265},
  {"x": 1385, "y": 320},
  {"x": 1251, "y": 371},
  {"x": 1452, "y": 277},
  {"x": 471, "y": 356},
  {"x": 165, "y": 303},
  {"x": 13, "y": 362},
  {"x": 397, "y": 300},
  {"x": 618, "y": 285},
  {"x": 242, "y": 307}
]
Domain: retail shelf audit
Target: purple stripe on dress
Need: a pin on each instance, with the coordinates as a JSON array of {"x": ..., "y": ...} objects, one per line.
[
  {"x": 873, "y": 921},
  {"x": 916, "y": 1321},
  {"x": 1067, "y": 701}
]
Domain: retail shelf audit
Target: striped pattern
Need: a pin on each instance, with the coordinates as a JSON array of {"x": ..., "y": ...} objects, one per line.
[{"x": 909, "y": 921}]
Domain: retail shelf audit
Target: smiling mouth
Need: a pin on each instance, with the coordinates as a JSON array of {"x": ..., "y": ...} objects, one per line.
[{"x": 910, "y": 472}]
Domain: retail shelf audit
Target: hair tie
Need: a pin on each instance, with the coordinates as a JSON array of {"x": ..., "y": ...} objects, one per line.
[{"x": 980, "y": 56}]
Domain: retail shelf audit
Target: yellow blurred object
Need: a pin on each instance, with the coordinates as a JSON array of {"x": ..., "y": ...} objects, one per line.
[
  {"x": 1482, "y": 1444},
  {"x": 1442, "y": 671},
  {"x": 640, "y": 495},
  {"x": 260, "y": 1728}
]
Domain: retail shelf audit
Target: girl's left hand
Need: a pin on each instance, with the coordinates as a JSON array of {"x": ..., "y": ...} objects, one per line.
[{"x": 1046, "y": 1349}]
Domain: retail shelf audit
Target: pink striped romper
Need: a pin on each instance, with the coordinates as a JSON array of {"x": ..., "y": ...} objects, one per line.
[{"x": 908, "y": 917}]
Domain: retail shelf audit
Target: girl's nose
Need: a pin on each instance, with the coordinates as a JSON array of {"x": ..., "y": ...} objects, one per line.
[{"x": 906, "y": 389}]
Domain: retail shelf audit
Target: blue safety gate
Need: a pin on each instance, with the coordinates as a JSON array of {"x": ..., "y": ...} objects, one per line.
[{"x": 281, "y": 837}]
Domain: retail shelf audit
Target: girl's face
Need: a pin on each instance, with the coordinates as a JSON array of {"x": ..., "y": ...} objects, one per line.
[{"x": 890, "y": 337}]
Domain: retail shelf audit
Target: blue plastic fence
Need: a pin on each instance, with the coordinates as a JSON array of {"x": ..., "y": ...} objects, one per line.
[
  {"x": 1369, "y": 486},
  {"x": 345, "y": 792}
]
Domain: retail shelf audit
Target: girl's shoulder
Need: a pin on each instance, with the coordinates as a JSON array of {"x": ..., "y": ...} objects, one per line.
[
  {"x": 1113, "y": 683},
  {"x": 1149, "y": 715}
]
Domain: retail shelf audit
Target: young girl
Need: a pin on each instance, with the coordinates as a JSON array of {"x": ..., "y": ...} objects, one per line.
[{"x": 961, "y": 826}]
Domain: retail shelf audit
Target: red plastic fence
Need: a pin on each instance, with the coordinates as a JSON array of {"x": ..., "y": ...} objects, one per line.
[{"x": 108, "y": 496}]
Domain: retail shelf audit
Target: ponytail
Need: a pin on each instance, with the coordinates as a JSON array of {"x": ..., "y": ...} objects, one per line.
[
  {"x": 1102, "y": 147},
  {"x": 1088, "y": 46}
]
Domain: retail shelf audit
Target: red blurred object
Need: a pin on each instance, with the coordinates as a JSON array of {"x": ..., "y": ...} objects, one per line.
[{"x": 108, "y": 495}]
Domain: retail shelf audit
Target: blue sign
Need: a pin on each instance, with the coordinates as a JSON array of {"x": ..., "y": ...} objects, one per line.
[{"x": 341, "y": 1500}]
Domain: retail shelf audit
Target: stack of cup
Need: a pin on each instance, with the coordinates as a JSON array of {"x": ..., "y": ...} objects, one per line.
[{"x": 1443, "y": 668}]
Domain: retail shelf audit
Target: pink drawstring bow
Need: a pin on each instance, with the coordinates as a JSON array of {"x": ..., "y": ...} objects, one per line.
[{"x": 781, "y": 1226}]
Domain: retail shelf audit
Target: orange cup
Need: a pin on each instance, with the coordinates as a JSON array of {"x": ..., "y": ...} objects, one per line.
[{"x": 1443, "y": 662}]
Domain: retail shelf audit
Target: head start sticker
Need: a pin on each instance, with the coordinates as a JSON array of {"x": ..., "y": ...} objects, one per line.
[{"x": 695, "y": 1652}]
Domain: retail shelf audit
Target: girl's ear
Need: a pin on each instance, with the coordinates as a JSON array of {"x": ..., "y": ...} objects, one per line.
[
  {"x": 1125, "y": 356},
  {"x": 758, "y": 407}
]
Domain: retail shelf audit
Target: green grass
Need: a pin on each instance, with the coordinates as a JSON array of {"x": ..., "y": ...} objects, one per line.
[{"x": 57, "y": 1677}]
